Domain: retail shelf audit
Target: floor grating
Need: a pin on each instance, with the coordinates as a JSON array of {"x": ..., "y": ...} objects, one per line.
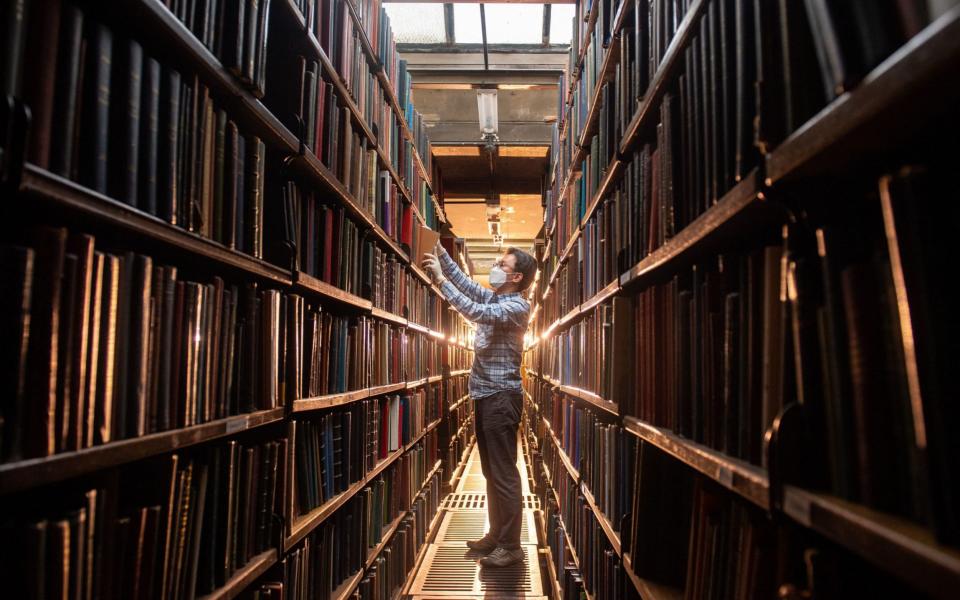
[{"x": 450, "y": 570}]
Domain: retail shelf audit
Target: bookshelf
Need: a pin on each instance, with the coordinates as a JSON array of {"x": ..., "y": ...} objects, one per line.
[
  {"x": 244, "y": 392},
  {"x": 781, "y": 160}
]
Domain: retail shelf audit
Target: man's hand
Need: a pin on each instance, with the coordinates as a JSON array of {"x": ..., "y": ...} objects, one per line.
[{"x": 431, "y": 264}]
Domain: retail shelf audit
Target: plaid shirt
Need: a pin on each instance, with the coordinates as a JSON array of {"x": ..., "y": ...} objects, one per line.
[{"x": 501, "y": 322}]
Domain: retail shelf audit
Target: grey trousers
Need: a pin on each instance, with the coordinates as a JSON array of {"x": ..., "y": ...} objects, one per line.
[{"x": 496, "y": 420}]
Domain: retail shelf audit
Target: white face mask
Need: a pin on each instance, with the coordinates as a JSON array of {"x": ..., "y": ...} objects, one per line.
[{"x": 497, "y": 277}]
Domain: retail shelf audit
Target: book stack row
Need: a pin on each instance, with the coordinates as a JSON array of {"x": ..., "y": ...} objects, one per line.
[
  {"x": 457, "y": 357},
  {"x": 337, "y": 448},
  {"x": 107, "y": 114},
  {"x": 181, "y": 534},
  {"x": 455, "y": 390},
  {"x": 600, "y": 568},
  {"x": 569, "y": 578},
  {"x": 390, "y": 569},
  {"x": 331, "y": 554},
  {"x": 342, "y": 546},
  {"x": 421, "y": 355},
  {"x": 236, "y": 32},
  {"x": 105, "y": 345},
  {"x": 719, "y": 547},
  {"x": 602, "y": 454}
]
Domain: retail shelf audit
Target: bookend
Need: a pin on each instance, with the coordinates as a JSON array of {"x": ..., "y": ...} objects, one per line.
[
  {"x": 14, "y": 126},
  {"x": 784, "y": 451}
]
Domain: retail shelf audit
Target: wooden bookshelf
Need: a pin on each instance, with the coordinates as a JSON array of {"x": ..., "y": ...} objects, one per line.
[
  {"x": 392, "y": 99},
  {"x": 36, "y": 472},
  {"x": 59, "y": 193},
  {"x": 741, "y": 208},
  {"x": 571, "y": 470},
  {"x": 612, "y": 536},
  {"x": 177, "y": 47},
  {"x": 645, "y": 114},
  {"x": 892, "y": 543},
  {"x": 748, "y": 481},
  {"x": 306, "y": 523},
  {"x": 863, "y": 132},
  {"x": 597, "y": 401},
  {"x": 650, "y": 590},
  {"x": 255, "y": 567},
  {"x": 875, "y": 117}
]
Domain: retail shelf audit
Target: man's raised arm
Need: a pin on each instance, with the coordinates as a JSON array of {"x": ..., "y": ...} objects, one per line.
[{"x": 470, "y": 288}]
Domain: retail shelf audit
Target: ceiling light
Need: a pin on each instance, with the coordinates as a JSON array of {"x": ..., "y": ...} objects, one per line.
[{"x": 487, "y": 108}]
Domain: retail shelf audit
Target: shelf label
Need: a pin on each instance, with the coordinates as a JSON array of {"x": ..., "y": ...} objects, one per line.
[
  {"x": 236, "y": 425},
  {"x": 725, "y": 476},
  {"x": 798, "y": 508}
]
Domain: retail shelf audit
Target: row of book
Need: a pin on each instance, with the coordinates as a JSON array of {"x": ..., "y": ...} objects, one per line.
[
  {"x": 721, "y": 348},
  {"x": 600, "y": 569},
  {"x": 390, "y": 569},
  {"x": 236, "y": 32},
  {"x": 104, "y": 345},
  {"x": 458, "y": 357},
  {"x": 336, "y": 449},
  {"x": 325, "y": 236},
  {"x": 107, "y": 114},
  {"x": 706, "y": 139},
  {"x": 335, "y": 28},
  {"x": 340, "y": 547},
  {"x": 712, "y": 545},
  {"x": 181, "y": 535},
  {"x": 603, "y": 452},
  {"x": 331, "y": 354},
  {"x": 455, "y": 389},
  {"x": 569, "y": 579}
]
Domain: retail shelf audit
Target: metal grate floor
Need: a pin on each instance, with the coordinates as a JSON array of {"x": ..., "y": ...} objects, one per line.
[
  {"x": 451, "y": 570},
  {"x": 478, "y": 501}
]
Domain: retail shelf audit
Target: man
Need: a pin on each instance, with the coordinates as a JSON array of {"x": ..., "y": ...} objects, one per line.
[{"x": 501, "y": 316}]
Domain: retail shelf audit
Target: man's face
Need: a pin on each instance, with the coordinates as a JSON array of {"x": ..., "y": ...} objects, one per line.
[{"x": 508, "y": 263}]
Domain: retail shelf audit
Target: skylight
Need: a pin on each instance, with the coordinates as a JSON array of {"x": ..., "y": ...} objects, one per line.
[{"x": 423, "y": 23}]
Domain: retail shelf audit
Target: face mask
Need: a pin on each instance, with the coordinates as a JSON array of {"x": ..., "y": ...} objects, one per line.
[{"x": 497, "y": 277}]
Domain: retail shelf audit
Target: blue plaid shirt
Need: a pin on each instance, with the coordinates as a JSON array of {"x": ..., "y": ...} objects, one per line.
[{"x": 501, "y": 322}]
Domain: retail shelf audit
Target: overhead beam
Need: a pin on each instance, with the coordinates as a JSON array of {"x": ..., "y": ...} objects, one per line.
[
  {"x": 545, "y": 35},
  {"x": 483, "y": 31},
  {"x": 448, "y": 23}
]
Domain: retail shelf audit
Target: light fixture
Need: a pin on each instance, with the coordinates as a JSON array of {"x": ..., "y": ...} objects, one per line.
[{"x": 487, "y": 109}]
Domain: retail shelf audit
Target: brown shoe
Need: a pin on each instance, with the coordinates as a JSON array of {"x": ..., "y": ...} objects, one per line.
[
  {"x": 501, "y": 557},
  {"x": 485, "y": 545}
]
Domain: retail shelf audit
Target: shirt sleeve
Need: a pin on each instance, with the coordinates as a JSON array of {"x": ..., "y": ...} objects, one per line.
[
  {"x": 473, "y": 290},
  {"x": 512, "y": 312}
]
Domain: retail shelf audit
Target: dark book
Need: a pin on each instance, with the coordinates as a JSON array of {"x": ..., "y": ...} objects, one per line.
[
  {"x": 168, "y": 150},
  {"x": 138, "y": 347},
  {"x": 19, "y": 264},
  {"x": 14, "y": 39},
  {"x": 95, "y": 119},
  {"x": 65, "y": 410},
  {"x": 255, "y": 164},
  {"x": 919, "y": 249},
  {"x": 71, "y": 51},
  {"x": 126, "y": 83},
  {"x": 43, "y": 36},
  {"x": 42, "y": 352},
  {"x": 149, "y": 137}
]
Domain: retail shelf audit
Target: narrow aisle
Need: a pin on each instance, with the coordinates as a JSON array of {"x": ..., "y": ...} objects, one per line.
[{"x": 448, "y": 569}]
